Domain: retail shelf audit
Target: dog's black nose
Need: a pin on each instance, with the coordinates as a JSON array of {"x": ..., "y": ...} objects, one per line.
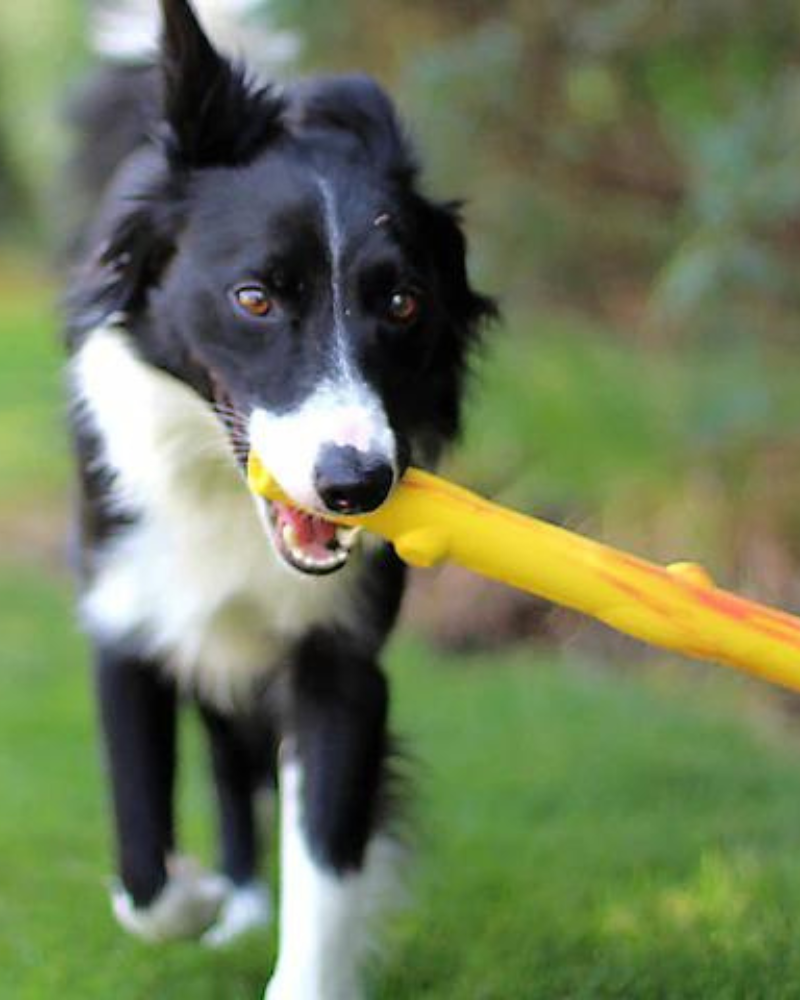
[{"x": 350, "y": 481}]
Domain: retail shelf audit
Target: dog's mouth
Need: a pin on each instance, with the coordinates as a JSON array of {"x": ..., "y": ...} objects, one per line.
[{"x": 307, "y": 542}]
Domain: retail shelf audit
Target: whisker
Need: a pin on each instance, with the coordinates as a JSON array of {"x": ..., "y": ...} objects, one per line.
[{"x": 227, "y": 410}]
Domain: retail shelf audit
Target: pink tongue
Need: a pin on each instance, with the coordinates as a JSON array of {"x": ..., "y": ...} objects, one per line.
[{"x": 312, "y": 533}]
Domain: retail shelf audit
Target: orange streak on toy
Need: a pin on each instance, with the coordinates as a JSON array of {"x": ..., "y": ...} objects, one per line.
[{"x": 429, "y": 520}]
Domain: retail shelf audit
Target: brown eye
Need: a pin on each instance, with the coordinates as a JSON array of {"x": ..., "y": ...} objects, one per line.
[
  {"x": 254, "y": 301},
  {"x": 404, "y": 307}
]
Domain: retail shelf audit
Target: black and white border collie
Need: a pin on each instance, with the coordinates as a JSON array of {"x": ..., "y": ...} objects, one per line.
[{"x": 261, "y": 272}]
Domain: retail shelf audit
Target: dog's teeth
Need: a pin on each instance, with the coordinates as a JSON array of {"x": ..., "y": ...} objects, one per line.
[
  {"x": 346, "y": 537},
  {"x": 289, "y": 535},
  {"x": 294, "y": 550}
]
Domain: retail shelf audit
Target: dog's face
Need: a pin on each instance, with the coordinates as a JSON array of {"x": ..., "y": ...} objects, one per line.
[{"x": 324, "y": 302}]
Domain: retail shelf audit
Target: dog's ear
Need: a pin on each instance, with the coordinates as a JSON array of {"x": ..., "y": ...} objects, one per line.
[
  {"x": 467, "y": 310},
  {"x": 356, "y": 105},
  {"x": 462, "y": 312},
  {"x": 136, "y": 254},
  {"x": 215, "y": 114},
  {"x": 135, "y": 235}
]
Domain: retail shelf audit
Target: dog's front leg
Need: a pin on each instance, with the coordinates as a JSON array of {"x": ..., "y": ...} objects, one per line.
[
  {"x": 158, "y": 896},
  {"x": 334, "y": 862},
  {"x": 240, "y": 776}
]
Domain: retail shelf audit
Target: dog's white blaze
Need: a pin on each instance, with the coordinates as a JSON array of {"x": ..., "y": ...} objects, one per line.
[
  {"x": 335, "y": 249},
  {"x": 327, "y": 922},
  {"x": 343, "y": 410},
  {"x": 193, "y": 579},
  {"x": 289, "y": 444}
]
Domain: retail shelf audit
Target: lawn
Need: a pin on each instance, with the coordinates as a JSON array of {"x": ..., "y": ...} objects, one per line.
[
  {"x": 579, "y": 836},
  {"x": 581, "y": 833}
]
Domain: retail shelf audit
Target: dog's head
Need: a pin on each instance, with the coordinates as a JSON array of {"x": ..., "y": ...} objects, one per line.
[{"x": 281, "y": 258}]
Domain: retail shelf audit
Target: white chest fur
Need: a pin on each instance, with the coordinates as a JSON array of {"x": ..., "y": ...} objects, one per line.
[{"x": 194, "y": 580}]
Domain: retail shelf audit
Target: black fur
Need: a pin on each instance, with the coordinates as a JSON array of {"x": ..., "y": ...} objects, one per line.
[
  {"x": 222, "y": 184},
  {"x": 216, "y": 116},
  {"x": 137, "y": 711},
  {"x": 338, "y": 713},
  {"x": 243, "y": 754}
]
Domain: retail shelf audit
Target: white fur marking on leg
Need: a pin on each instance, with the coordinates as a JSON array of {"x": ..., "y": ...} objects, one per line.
[
  {"x": 247, "y": 908},
  {"x": 185, "y": 907},
  {"x": 325, "y": 919}
]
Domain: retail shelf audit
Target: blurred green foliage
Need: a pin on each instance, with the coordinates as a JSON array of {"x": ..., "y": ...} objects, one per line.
[
  {"x": 41, "y": 49},
  {"x": 632, "y": 177},
  {"x": 630, "y": 147}
]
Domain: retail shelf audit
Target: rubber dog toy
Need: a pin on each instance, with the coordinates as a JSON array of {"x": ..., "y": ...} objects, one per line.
[{"x": 678, "y": 607}]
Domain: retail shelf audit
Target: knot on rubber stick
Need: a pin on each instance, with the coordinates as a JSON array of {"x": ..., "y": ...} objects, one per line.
[
  {"x": 692, "y": 573},
  {"x": 423, "y": 547}
]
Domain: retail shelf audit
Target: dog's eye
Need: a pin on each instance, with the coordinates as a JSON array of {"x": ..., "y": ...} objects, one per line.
[
  {"x": 253, "y": 300},
  {"x": 404, "y": 307}
]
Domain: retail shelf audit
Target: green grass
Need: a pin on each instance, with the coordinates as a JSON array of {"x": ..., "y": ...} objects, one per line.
[
  {"x": 581, "y": 834},
  {"x": 33, "y": 460}
]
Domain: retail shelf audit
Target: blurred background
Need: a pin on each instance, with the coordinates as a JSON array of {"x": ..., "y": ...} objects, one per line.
[
  {"x": 633, "y": 196},
  {"x": 631, "y": 171}
]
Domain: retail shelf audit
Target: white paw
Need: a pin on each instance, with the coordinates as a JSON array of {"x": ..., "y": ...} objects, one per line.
[
  {"x": 246, "y": 908},
  {"x": 186, "y": 906}
]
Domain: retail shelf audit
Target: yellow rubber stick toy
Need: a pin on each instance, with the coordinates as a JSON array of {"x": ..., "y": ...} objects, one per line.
[{"x": 429, "y": 520}]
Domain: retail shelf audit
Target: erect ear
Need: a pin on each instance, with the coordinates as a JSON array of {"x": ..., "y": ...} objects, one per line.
[{"x": 215, "y": 114}]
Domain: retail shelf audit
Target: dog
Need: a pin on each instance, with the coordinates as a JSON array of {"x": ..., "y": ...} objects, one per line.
[{"x": 260, "y": 272}]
